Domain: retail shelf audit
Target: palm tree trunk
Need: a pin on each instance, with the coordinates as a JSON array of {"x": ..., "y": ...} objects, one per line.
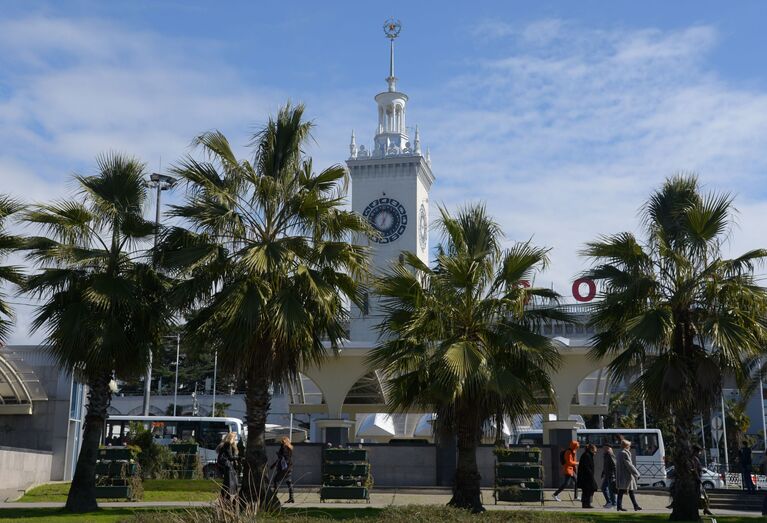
[
  {"x": 466, "y": 491},
  {"x": 82, "y": 492},
  {"x": 255, "y": 480},
  {"x": 685, "y": 490}
]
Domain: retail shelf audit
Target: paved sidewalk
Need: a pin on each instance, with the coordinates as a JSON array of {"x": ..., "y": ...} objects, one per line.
[{"x": 652, "y": 503}]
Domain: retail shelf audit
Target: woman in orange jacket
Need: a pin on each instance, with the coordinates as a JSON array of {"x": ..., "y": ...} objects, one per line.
[{"x": 569, "y": 463}]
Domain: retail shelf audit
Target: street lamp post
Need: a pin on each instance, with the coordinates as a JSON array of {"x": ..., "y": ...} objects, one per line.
[
  {"x": 160, "y": 182},
  {"x": 761, "y": 399},
  {"x": 215, "y": 371},
  {"x": 175, "y": 387}
]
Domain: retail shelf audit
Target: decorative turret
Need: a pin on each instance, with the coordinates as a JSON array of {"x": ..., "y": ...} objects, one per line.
[
  {"x": 391, "y": 138},
  {"x": 353, "y": 147}
]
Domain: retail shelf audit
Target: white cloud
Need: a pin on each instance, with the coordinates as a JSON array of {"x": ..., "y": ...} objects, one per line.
[
  {"x": 562, "y": 129},
  {"x": 565, "y": 136}
]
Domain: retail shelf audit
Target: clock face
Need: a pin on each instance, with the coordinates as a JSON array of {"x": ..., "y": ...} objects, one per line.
[
  {"x": 388, "y": 217},
  {"x": 423, "y": 226}
]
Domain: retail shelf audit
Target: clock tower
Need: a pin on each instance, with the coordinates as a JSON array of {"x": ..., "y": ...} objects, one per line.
[{"x": 390, "y": 187}]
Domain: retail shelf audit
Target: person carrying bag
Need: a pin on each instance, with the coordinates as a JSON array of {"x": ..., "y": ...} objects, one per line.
[
  {"x": 284, "y": 468},
  {"x": 227, "y": 457}
]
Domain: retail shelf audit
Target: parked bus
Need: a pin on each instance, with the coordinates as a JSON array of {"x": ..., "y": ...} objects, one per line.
[
  {"x": 646, "y": 443},
  {"x": 207, "y": 432}
]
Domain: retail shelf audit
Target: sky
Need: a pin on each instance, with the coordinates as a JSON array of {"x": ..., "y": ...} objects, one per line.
[{"x": 561, "y": 117}]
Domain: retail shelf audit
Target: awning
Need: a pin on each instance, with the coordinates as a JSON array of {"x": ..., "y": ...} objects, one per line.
[
  {"x": 376, "y": 425},
  {"x": 19, "y": 386}
]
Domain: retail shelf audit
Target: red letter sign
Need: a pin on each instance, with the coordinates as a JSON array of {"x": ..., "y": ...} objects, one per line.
[{"x": 577, "y": 289}]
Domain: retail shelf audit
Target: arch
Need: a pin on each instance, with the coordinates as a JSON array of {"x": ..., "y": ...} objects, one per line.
[
  {"x": 336, "y": 377},
  {"x": 304, "y": 391},
  {"x": 581, "y": 386},
  {"x": 366, "y": 390},
  {"x": 19, "y": 387}
]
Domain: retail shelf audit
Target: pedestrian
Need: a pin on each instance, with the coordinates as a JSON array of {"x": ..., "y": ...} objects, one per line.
[
  {"x": 626, "y": 476},
  {"x": 608, "y": 476},
  {"x": 746, "y": 468},
  {"x": 586, "y": 481},
  {"x": 568, "y": 461},
  {"x": 227, "y": 464},
  {"x": 284, "y": 466},
  {"x": 697, "y": 470}
]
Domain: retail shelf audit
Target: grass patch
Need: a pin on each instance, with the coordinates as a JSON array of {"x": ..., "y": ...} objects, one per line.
[
  {"x": 56, "y": 515},
  {"x": 410, "y": 514},
  {"x": 437, "y": 513},
  {"x": 154, "y": 490},
  {"x": 406, "y": 514}
]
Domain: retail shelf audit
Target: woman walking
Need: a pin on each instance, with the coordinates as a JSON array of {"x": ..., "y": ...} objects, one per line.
[
  {"x": 586, "y": 481},
  {"x": 626, "y": 476},
  {"x": 227, "y": 463},
  {"x": 284, "y": 466}
]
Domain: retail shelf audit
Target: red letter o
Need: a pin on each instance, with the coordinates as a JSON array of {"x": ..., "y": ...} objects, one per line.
[{"x": 577, "y": 289}]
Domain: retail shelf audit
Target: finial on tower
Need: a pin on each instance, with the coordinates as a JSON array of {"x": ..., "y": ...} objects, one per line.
[
  {"x": 353, "y": 146},
  {"x": 417, "y": 145},
  {"x": 392, "y": 28}
]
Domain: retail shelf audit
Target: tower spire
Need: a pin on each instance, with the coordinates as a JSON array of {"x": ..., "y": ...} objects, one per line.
[{"x": 392, "y": 28}]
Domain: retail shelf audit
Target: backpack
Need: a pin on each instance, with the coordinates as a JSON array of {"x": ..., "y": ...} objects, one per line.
[
  {"x": 562, "y": 457},
  {"x": 222, "y": 462}
]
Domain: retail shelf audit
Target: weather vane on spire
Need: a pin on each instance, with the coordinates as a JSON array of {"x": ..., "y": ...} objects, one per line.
[{"x": 392, "y": 28}]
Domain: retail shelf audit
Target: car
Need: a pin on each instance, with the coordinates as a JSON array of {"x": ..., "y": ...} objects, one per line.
[{"x": 710, "y": 479}]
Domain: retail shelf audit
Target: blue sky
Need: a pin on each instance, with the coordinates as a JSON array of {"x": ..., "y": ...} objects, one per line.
[{"x": 562, "y": 116}]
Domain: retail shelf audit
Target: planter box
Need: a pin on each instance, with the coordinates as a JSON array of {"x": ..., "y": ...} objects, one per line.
[
  {"x": 343, "y": 493},
  {"x": 115, "y": 454},
  {"x": 345, "y": 469},
  {"x": 521, "y": 483},
  {"x": 115, "y": 469},
  {"x": 183, "y": 448},
  {"x": 346, "y": 482},
  {"x": 114, "y": 492},
  {"x": 519, "y": 471},
  {"x": 519, "y": 495},
  {"x": 521, "y": 456},
  {"x": 345, "y": 455}
]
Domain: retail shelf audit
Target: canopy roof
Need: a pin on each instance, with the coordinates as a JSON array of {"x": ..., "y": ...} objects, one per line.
[{"x": 19, "y": 386}]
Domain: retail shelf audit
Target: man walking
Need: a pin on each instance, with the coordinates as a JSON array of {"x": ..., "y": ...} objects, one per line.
[
  {"x": 608, "y": 476},
  {"x": 746, "y": 468}
]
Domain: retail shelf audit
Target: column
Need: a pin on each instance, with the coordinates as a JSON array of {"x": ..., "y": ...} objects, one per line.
[{"x": 557, "y": 434}]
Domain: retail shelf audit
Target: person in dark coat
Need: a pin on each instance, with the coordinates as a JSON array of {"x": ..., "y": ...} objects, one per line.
[
  {"x": 284, "y": 468},
  {"x": 227, "y": 463},
  {"x": 746, "y": 468},
  {"x": 586, "y": 481},
  {"x": 608, "y": 476}
]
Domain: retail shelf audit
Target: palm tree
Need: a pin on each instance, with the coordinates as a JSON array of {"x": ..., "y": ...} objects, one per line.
[
  {"x": 462, "y": 338},
  {"x": 673, "y": 304},
  {"x": 102, "y": 307},
  {"x": 267, "y": 263},
  {"x": 8, "y": 273}
]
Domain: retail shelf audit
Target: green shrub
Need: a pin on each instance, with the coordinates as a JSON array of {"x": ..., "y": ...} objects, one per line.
[
  {"x": 154, "y": 459},
  {"x": 219, "y": 513}
]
